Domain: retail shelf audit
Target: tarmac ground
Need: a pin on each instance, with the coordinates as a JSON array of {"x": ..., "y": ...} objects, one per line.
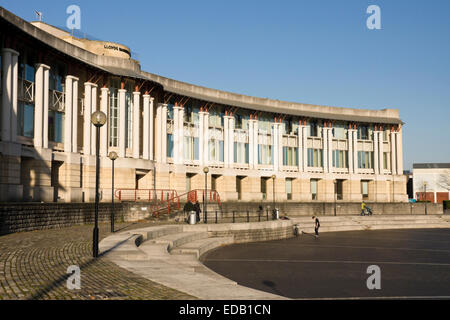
[{"x": 413, "y": 264}]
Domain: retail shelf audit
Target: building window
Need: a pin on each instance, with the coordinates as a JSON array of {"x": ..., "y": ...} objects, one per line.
[
  {"x": 290, "y": 156},
  {"x": 169, "y": 145},
  {"x": 55, "y": 126},
  {"x": 363, "y": 133},
  {"x": 25, "y": 119},
  {"x": 365, "y": 159},
  {"x": 340, "y": 159},
  {"x": 315, "y": 158},
  {"x": 241, "y": 152},
  {"x": 365, "y": 189},
  {"x": 215, "y": 150},
  {"x": 339, "y": 132},
  {"x": 129, "y": 119},
  {"x": 113, "y": 118},
  {"x": 386, "y": 160},
  {"x": 314, "y": 183},
  {"x": 313, "y": 129},
  {"x": 265, "y": 154},
  {"x": 191, "y": 148},
  {"x": 289, "y": 188}
]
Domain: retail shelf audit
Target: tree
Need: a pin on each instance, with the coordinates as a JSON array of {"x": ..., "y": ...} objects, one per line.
[{"x": 443, "y": 180}]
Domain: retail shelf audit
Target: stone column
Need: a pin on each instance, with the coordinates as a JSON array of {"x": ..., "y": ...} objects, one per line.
[
  {"x": 151, "y": 129},
  {"x": 201, "y": 137},
  {"x": 41, "y": 106},
  {"x": 251, "y": 149},
  {"x": 399, "y": 145},
  {"x": 164, "y": 133},
  {"x": 375, "y": 152},
  {"x": 305, "y": 147},
  {"x": 68, "y": 114},
  {"x": 146, "y": 127},
  {"x": 355, "y": 151},
  {"x": 87, "y": 138},
  {"x": 300, "y": 148},
  {"x": 176, "y": 134},
  {"x": 325, "y": 148},
  {"x": 275, "y": 141},
  {"x": 181, "y": 136},
  {"x": 255, "y": 143},
  {"x": 350, "y": 150},
  {"x": 104, "y": 130},
  {"x": 136, "y": 124},
  {"x": 158, "y": 133},
  {"x": 380, "y": 152},
  {"x": 46, "y": 102},
  {"x": 122, "y": 123},
  {"x": 206, "y": 139},
  {"x": 330, "y": 150},
  {"x": 75, "y": 115},
  {"x": 231, "y": 141},
  {"x": 280, "y": 147},
  {"x": 226, "y": 160},
  {"x": 393, "y": 153},
  {"x": 15, "y": 83},
  {"x": 9, "y": 94},
  {"x": 38, "y": 107}
]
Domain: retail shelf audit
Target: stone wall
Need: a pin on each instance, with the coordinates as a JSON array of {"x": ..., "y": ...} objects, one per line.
[{"x": 20, "y": 217}]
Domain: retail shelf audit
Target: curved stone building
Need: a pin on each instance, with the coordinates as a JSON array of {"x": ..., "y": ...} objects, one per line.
[{"x": 166, "y": 131}]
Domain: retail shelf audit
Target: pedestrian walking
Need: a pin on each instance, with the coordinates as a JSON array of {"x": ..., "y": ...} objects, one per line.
[
  {"x": 197, "y": 210},
  {"x": 363, "y": 208},
  {"x": 316, "y": 226}
]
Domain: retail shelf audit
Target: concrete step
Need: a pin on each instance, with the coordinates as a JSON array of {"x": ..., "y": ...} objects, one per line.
[
  {"x": 410, "y": 226},
  {"x": 179, "y": 239},
  {"x": 157, "y": 232},
  {"x": 199, "y": 247}
]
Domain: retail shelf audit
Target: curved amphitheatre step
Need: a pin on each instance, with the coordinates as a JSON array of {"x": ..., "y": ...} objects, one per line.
[{"x": 199, "y": 247}]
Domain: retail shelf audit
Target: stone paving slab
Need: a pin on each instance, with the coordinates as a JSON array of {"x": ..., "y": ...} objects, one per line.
[{"x": 33, "y": 265}]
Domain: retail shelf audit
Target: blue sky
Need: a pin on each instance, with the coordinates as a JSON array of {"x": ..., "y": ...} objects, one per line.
[{"x": 315, "y": 51}]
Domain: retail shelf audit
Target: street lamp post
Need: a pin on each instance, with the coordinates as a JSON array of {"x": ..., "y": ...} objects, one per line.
[
  {"x": 335, "y": 196},
  {"x": 425, "y": 196},
  {"x": 273, "y": 198},
  {"x": 205, "y": 201},
  {"x": 98, "y": 119},
  {"x": 113, "y": 156}
]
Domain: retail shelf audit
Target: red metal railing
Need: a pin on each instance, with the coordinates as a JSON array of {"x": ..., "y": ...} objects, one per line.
[{"x": 166, "y": 199}]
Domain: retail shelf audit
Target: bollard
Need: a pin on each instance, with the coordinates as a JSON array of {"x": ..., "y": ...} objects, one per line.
[
  {"x": 267, "y": 214},
  {"x": 248, "y": 216},
  {"x": 216, "y": 217},
  {"x": 233, "y": 216}
]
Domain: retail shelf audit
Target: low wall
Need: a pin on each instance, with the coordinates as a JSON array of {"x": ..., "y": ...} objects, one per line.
[
  {"x": 342, "y": 208},
  {"x": 20, "y": 217}
]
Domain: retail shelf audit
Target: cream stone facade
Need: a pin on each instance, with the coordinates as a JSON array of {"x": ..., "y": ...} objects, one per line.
[{"x": 166, "y": 131}]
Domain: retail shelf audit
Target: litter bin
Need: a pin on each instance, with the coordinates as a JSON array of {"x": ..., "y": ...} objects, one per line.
[
  {"x": 276, "y": 214},
  {"x": 192, "y": 217}
]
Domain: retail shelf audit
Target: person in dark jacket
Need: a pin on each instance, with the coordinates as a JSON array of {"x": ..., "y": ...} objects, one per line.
[
  {"x": 188, "y": 207},
  {"x": 197, "y": 210},
  {"x": 316, "y": 226}
]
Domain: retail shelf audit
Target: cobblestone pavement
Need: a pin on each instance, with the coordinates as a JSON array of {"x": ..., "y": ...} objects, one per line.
[{"x": 33, "y": 265}]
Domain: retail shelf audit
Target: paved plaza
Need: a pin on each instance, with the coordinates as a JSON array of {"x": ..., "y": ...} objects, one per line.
[
  {"x": 33, "y": 265},
  {"x": 413, "y": 264}
]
